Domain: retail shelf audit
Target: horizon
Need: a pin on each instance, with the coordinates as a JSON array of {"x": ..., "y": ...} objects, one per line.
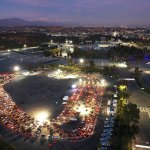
[{"x": 69, "y": 24}]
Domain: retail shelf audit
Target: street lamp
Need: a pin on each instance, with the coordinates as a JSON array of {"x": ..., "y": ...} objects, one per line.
[
  {"x": 81, "y": 61},
  {"x": 83, "y": 110},
  {"x": 80, "y": 80},
  {"x": 16, "y": 68},
  {"x": 74, "y": 86},
  {"x": 42, "y": 117},
  {"x": 103, "y": 82}
]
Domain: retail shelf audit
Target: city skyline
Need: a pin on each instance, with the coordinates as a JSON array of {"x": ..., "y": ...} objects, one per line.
[{"x": 89, "y": 12}]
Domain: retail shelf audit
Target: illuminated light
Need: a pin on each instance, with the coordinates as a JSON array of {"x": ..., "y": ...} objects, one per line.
[
  {"x": 122, "y": 65},
  {"x": 103, "y": 82},
  {"x": 122, "y": 87},
  {"x": 16, "y": 68},
  {"x": 128, "y": 79},
  {"x": 70, "y": 77},
  {"x": 142, "y": 88},
  {"x": 26, "y": 73},
  {"x": 8, "y": 50},
  {"x": 147, "y": 72},
  {"x": 80, "y": 80},
  {"x": 58, "y": 71},
  {"x": 74, "y": 86},
  {"x": 84, "y": 111},
  {"x": 42, "y": 117},
  {"x": 115, "y": 95},
  {"x": 142, "y": 146},
  {"x": 81, "y": 60}
]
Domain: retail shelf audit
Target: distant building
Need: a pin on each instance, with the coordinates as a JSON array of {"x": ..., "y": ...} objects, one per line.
[
  {"x": 48, "y": 46},
  {"x": 99, "y": 45},
  {"x": 67, "y": 46},
  {"x": 115, "y": 34}
]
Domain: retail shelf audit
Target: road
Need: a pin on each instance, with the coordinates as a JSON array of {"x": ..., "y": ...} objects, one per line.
[{"x": 10, "y": 59}]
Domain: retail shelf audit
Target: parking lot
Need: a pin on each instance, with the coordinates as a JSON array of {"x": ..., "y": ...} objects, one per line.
[{"x": 40, "y": 93}]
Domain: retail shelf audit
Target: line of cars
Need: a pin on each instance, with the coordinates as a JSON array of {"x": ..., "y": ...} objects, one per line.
[
  {"x": 107, "y": 132},
  {"x": 109, "y": 124},
  {"x": 19, "y": 122}
]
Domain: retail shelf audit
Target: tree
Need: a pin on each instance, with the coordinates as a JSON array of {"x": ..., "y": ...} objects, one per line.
[
  {"x": 138, "y": 76},
  {"x": 70, "y": 61},
  {"x": 131, "y": 114},
  {"x": 91, "y": 64},
  {"x": 6, "y": 146},
  {"x": 47, "y": 53},
  {"x": 106, "y": 70},
  {"x": 125, "y": 127}
]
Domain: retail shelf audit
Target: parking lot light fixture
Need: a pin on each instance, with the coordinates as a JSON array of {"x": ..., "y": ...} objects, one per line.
[
  {"x": 103, "y": 82},
  {"x": 42, "y": 117},
  {"x": 74, "y": 86},
  {"x": 83, "y": 110},
  {"x": 81, "y": 60},
  {"x": 80, "y": 80},
  {"x": 16, "y": 68}
]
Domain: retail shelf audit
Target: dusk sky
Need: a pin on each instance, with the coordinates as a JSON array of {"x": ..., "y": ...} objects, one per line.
[{"x": 87, "y": 12}]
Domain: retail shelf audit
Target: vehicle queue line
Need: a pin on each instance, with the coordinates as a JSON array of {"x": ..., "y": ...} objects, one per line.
[{"x": 17, "y": 120}]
